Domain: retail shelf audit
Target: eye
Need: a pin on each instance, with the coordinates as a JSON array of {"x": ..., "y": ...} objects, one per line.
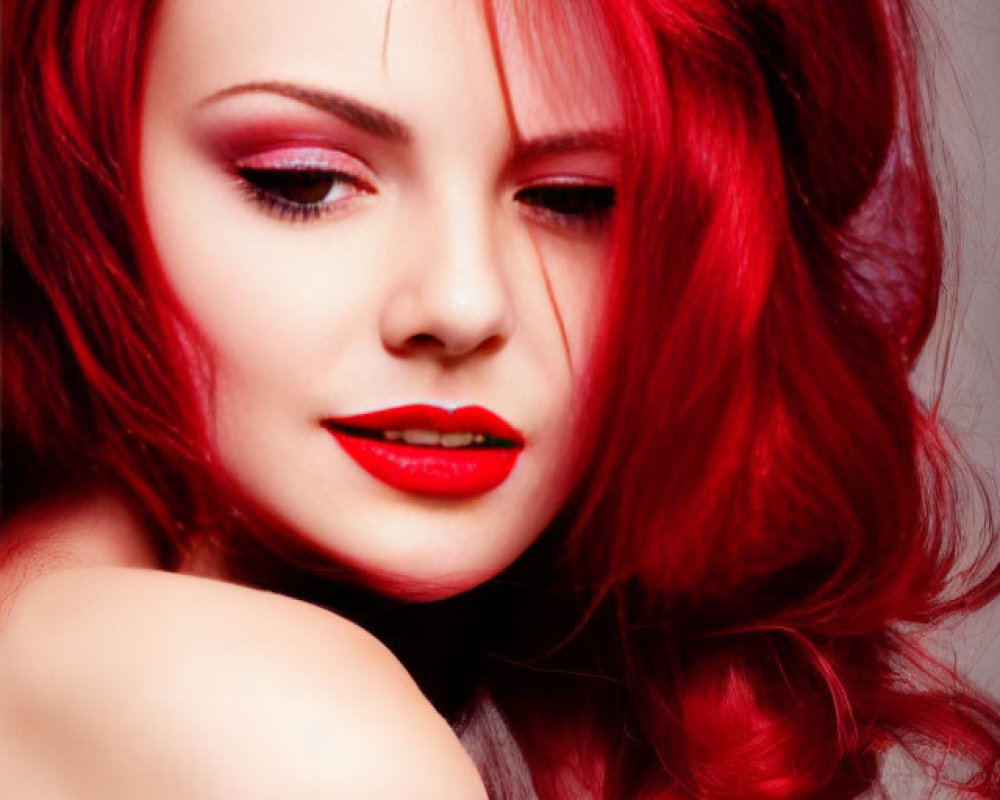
[
  {"x": 572, "y": 205},
  {"x": 299, "y": 193},
  {"x": 301, "y": 184},
  {"x": 298, "y": 187}
]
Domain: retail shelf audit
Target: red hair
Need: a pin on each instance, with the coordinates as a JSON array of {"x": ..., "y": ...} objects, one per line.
[
  {"x": 91, "y": 391},
  {"x": 726, "y": 606}
]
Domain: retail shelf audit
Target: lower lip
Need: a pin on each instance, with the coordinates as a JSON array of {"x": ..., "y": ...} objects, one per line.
[{"x": 430, "y": 471}]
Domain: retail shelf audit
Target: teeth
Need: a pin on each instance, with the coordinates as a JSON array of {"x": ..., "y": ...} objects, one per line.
[
  {"x": 418, "y": 436},
  {"x": 457, "y": 439},
  {"x": 428, "y": 438}
]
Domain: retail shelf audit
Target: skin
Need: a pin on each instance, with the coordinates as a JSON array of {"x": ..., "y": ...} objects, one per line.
[
  {"x": 429, "y": 277},
  {"x": 133, "y": 683}
]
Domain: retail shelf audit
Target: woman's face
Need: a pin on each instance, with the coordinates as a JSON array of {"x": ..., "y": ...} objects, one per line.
[{"x": 398, "y": 292}]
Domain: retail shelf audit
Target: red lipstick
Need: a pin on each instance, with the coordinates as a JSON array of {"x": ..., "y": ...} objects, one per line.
[{"x": 430, "y": 450}]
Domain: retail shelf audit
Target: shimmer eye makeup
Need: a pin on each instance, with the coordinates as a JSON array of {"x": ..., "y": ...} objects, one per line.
[{"x": 301, "y": 182}]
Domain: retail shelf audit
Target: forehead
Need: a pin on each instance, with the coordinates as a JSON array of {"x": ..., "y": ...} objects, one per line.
[{"x": 422, "y": 59}]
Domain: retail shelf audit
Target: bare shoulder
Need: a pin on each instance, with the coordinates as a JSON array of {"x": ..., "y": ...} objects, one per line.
[{"x": 121, "y": 682}]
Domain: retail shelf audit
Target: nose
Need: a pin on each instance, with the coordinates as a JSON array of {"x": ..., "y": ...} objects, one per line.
[{"x": 451, "y": 299}]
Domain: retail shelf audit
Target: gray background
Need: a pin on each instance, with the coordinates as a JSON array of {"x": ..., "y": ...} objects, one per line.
[
  {"x": 963, "y": 43},
  {"x": 962, "y": 39}
]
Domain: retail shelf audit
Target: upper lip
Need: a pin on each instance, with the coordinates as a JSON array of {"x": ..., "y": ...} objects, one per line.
[{"x": 474, "y": 419}]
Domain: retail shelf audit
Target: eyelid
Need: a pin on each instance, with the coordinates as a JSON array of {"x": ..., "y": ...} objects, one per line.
[
  {"x": 567, "y": 179},
  {"x": 298, "y": 157}
]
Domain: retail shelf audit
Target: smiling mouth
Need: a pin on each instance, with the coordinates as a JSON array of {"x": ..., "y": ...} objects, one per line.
[{"x": 431, "y": 451}]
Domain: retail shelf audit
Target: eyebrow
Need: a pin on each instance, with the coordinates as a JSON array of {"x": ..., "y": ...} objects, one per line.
[
  {"x": 378, "y": 123},
  {"x": 541, "y": 146}
]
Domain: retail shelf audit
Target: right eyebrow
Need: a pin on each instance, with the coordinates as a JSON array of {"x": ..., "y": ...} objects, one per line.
[{"x": 371, "y": 120}]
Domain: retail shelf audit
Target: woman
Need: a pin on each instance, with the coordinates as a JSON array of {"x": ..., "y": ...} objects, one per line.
[{"x": 566, "y": 350}]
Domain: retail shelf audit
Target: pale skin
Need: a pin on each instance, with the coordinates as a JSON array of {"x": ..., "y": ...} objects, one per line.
[{"x": 429, "y": 274}]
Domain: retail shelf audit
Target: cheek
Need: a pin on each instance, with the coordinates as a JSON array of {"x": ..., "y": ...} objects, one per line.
[{"x": 576, "y": 278}]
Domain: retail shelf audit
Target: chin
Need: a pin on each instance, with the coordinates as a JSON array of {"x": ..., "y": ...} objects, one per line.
[
  {"x": 424, "y": 585},
  {"x": 416, "y": 550}
]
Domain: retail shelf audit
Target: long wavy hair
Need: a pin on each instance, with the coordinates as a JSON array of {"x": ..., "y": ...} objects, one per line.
[{"x": 730, "y": 605}]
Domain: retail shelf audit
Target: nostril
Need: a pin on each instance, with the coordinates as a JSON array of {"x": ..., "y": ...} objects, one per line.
[{"x": 424, "y": 340}]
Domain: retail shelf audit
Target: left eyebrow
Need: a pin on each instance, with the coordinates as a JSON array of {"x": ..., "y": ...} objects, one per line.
[{"x": 541, "y": 146}]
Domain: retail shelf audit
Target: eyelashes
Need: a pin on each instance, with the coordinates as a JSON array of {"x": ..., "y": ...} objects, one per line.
[
  {"x": 301, "y": 191},
  {"x": 577, "y": 206}
]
